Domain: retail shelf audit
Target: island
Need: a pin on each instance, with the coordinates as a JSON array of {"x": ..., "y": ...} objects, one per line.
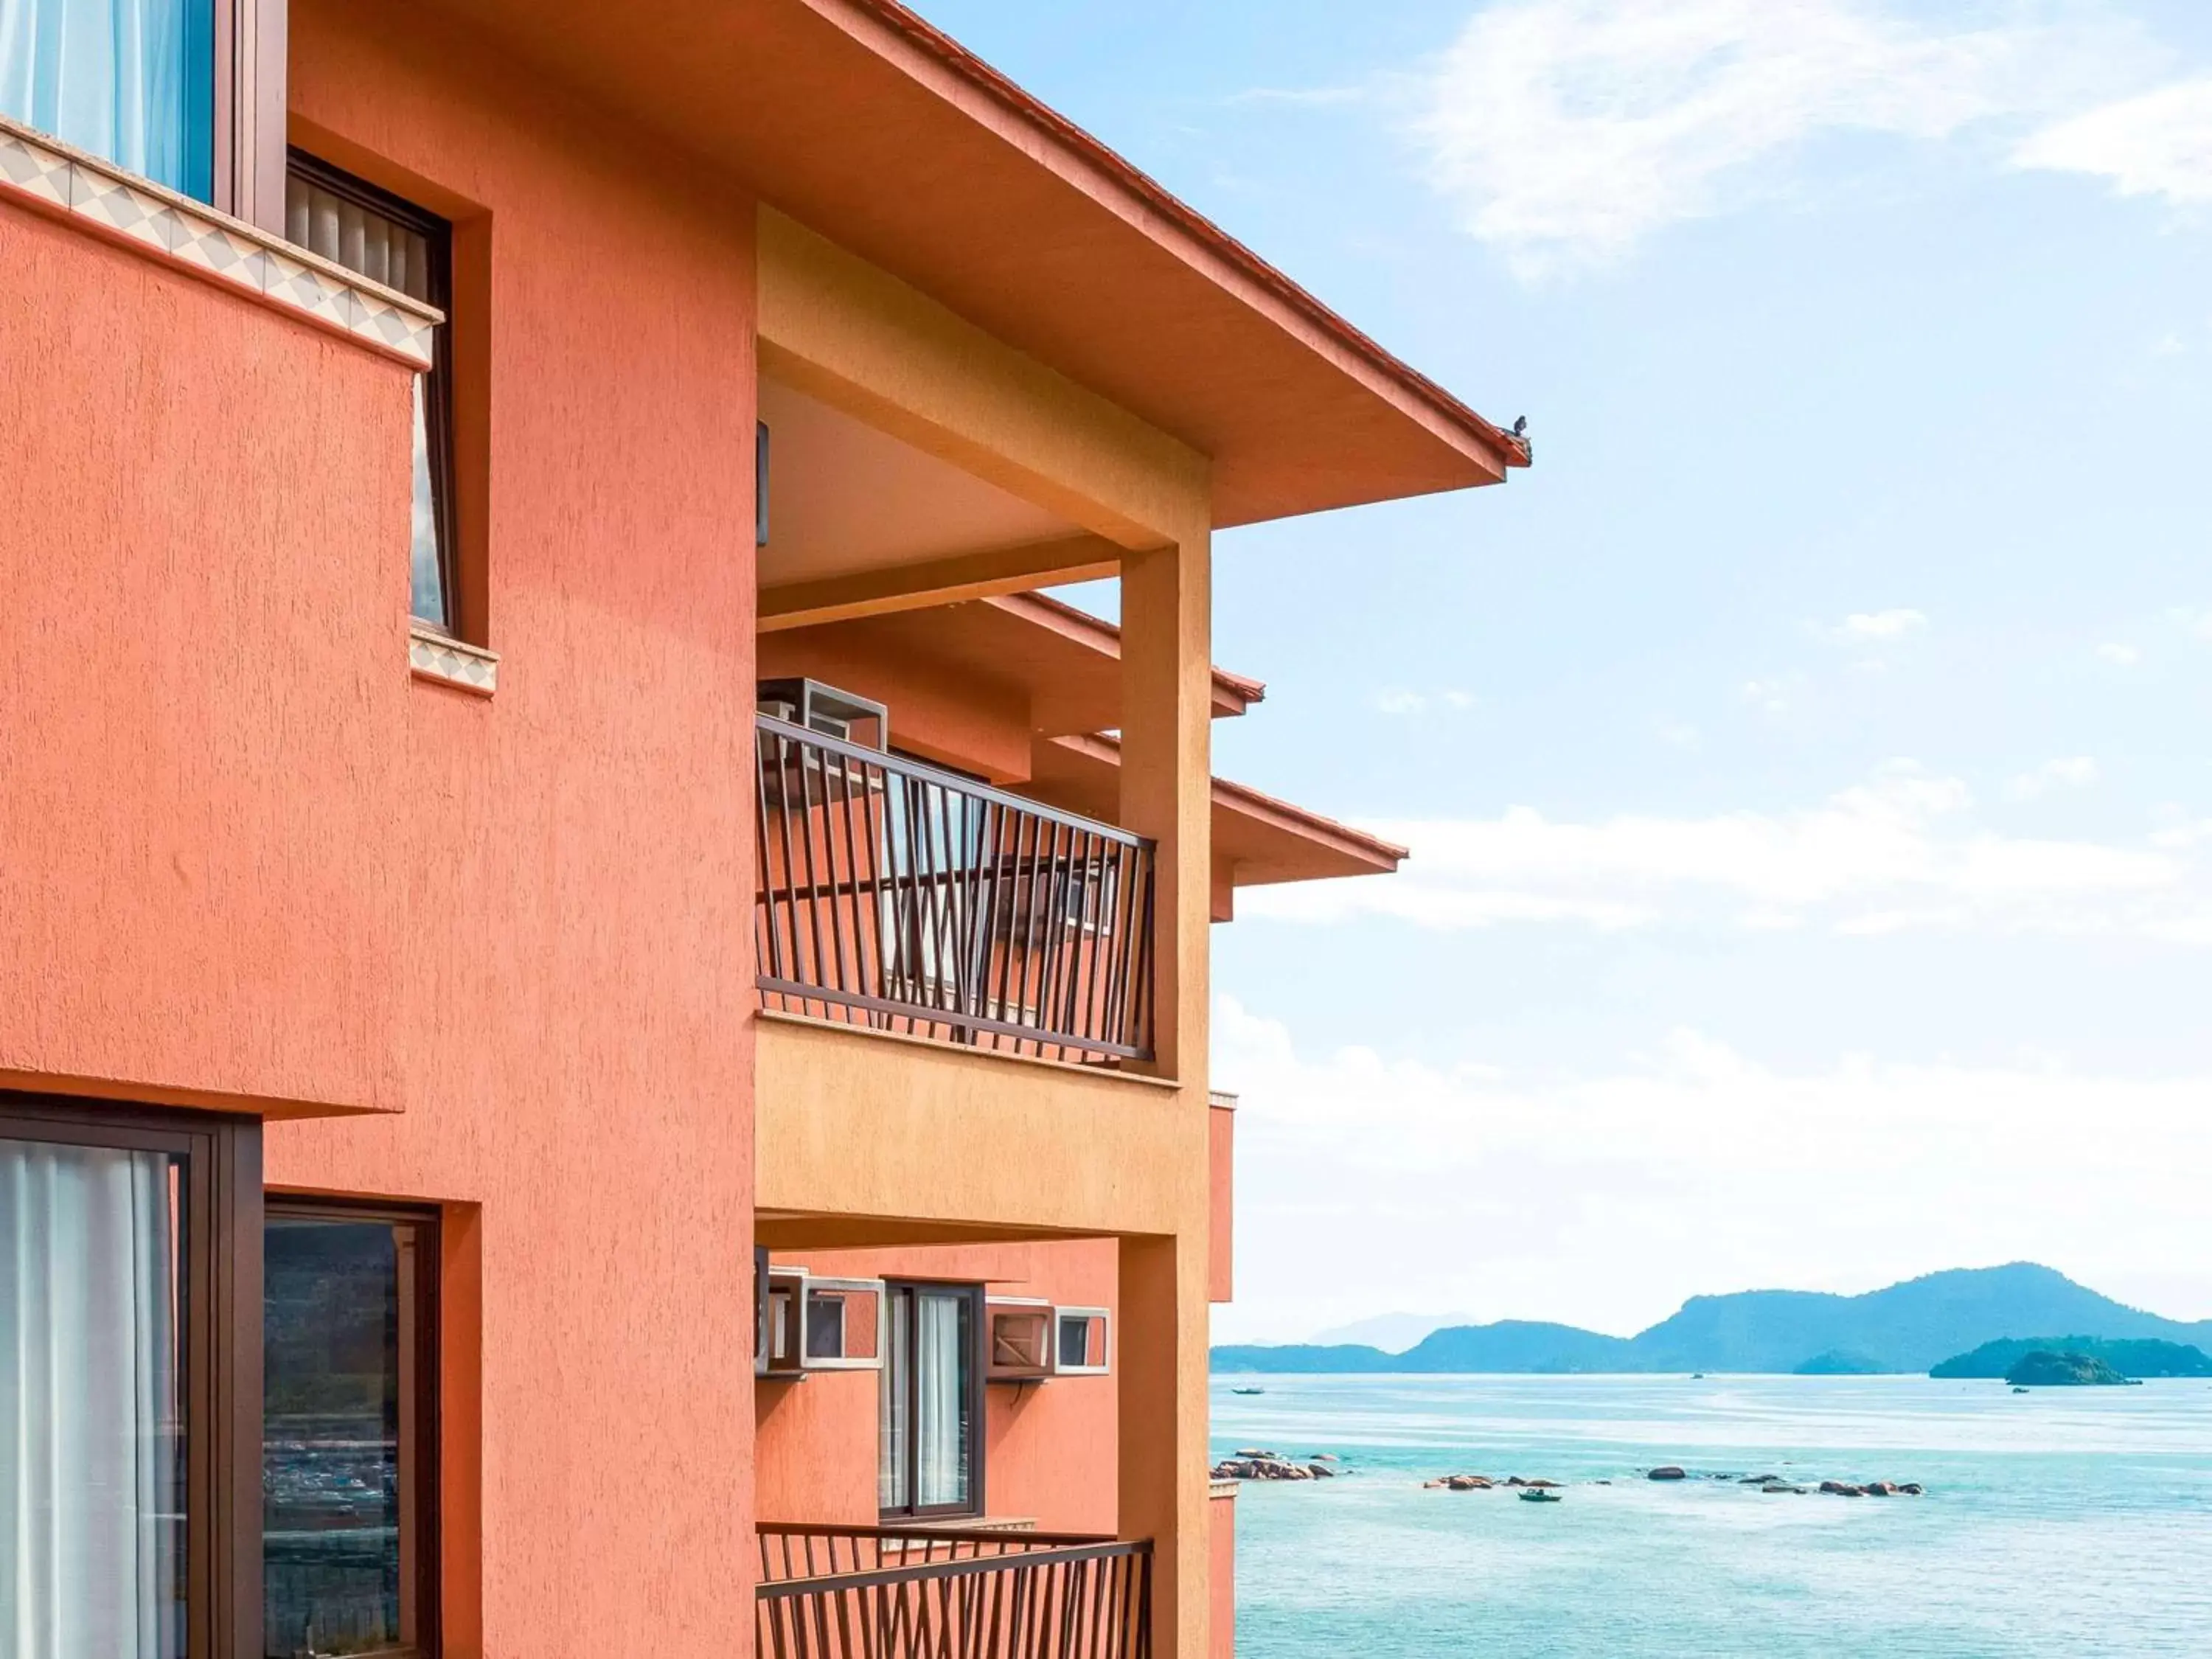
[
  {"x": 2137, "y": 1357},
  {"x": 2045, "y": 1370}
]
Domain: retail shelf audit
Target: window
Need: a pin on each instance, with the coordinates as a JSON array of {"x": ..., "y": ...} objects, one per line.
[
  {"x": 125, "y": 1368},
  {"x": 844, "y": 1324},
  {"x": 388, "y": 241},
  {"x": 348, "y": 1430},
  {"x": 930, "y": 1457},
  {"x": 133, "y": 81},
  {"x": 1082, "y": 1346}
]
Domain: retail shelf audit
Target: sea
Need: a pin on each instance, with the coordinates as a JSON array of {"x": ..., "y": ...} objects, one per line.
[{"x": 2073, "y": 1522}]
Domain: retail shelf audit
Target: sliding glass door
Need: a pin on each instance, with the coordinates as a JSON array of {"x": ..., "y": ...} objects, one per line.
[
  {"x": 120, "y": 1535},
  {"x": 132, "y": 81},
  {"x": 930, "y": 1447}
]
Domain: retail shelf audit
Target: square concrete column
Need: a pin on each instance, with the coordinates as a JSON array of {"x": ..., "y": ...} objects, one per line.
[{"x": 1166, "y": 793}]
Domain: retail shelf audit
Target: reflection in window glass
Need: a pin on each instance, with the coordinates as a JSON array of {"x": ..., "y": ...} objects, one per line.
[
  {"x": 332, "y": 1471},
  {"x": 1075, "y": 1340},
  {"x": 92, "y": 1382},
  {"x": 825, "y": 1325}
]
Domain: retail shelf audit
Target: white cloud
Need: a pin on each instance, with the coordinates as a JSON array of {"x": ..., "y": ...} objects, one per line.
[
  {"x": 1567, "y": 130},
  {"x": 1400, "y": 701},
  {"x": 1605, "y": 1197},
  {"x": 2072, "y": 772},
  {"x": 1768, "y": 697},
  {"x": 1903, "y": 850},
  {"x": 2179, "y": 833},
  {"x": 2157, "y": 143},
  {"x": 2123, "y": 656},
  {"x": 1862, "y": 626}
]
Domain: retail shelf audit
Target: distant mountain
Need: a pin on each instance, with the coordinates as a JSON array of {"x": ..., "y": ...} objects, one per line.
[
  {"x": 2141, "y": 1357},
  {"x": 1835, "y": 1362},
  {"x": 1905, "y": 1328},
  {"x": 1393, "y": 1332}
]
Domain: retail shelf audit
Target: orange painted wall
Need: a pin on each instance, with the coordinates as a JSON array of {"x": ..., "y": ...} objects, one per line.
[
  {"x": 1221, "y": 1578},
  {"x": 1049, "y": 1448},
  {"x": 203, "y": 687},
  {"x": 571, "y": 862},
  {"x": 1221, "y": 1176}
]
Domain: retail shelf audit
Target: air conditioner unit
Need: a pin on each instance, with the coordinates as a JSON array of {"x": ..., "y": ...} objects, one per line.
[
  {"x": 825, "y": 708},
  {"x": 810, "y": 1322},
  {"x": 1019, "y": 1338}
]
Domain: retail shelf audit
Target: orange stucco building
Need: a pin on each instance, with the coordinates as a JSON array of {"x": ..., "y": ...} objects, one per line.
[{"x": 603, "y": 1011}]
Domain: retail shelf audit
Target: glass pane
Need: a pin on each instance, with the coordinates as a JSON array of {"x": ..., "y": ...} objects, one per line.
[
  {"x": 825, "y": 1325},
  {"x": 890, "y": 1440},
  {"x": 92, "y": 1386},
  {"x": 331, "y": 1450},
  {"x": 129, "y": 80},
  {"x": 944, "y": 1349},
  {"x": 428, "y": 598},
  {"x": 1075, "y": 1340}
]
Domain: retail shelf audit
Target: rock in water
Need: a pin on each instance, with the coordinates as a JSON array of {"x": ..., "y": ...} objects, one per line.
[{"x": 1669, "y": 1472}]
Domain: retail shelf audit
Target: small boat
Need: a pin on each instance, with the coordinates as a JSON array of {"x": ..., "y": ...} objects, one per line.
[
  {"x": 1538, "y": 1495},
  {"x": 1248, "y": 1391}
]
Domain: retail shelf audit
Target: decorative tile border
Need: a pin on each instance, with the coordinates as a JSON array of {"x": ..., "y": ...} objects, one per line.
[
  {"x": 433, "y": 656},
  {"x": 157, "y": 222}
]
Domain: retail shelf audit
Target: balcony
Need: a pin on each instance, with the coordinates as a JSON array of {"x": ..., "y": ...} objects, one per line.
[
  {"x": 886, "y": 1593},
  {"x": 902, "y": 897},
  {"x": 206, "y": 503}
]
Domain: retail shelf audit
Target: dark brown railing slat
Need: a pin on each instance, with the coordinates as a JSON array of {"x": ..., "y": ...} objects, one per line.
[
  {"x": 952, "y": 1594},
  {"x": 905, "y": 897}
]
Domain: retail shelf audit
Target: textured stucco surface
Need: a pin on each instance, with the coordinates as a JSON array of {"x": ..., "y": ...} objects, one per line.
[
  {"x": 574, "y": 863},
  {"x": 203, "y": 687}
]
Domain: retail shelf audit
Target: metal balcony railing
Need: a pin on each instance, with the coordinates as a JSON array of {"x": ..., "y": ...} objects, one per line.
[
  {"x": 883, "y": 1593},
  {"x": 897, "y": 894}
]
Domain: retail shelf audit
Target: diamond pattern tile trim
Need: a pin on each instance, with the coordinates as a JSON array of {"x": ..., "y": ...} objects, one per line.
[
  {"x": 434, "y": 657},
  {"x": 34, "y": 170},
  {"x": 162, "y": 224}
]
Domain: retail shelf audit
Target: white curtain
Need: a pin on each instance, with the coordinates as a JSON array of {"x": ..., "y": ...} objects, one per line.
[
  {"x": 384, "y": 251},
  {"x": 941, "y": 1400},
  {"x": 131, "y": 79},
  {"x": 91, "y": 1508}
]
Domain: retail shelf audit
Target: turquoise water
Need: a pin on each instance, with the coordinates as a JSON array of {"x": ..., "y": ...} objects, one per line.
[{"x": 2074, "y": 1522}]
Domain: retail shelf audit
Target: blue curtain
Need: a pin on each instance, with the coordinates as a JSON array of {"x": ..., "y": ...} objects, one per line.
[{"x": 129, "y": 80}]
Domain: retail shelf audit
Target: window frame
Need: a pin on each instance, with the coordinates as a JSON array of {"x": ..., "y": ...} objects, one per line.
[
  {"x": 222, "y": 1342},
  {"x": 977, "y": 1433},
  {"x": 420, "y": 1420},
  {"x": 437, "y": 232},
  {"x": 1105, "y": 1318},
  {"x": 246, "y": 112}
]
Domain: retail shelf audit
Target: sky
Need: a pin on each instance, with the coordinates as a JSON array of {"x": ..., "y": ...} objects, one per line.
[{"x": 1807, "y": 763}]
